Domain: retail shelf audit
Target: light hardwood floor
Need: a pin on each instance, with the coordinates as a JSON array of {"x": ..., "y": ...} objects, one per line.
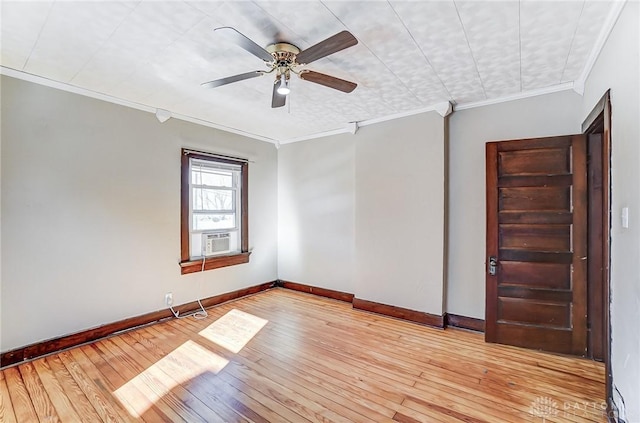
[{"x": 282, "y": 356}]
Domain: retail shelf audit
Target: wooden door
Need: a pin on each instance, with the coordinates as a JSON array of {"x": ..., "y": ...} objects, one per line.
[{"x": 537, "y": 244}]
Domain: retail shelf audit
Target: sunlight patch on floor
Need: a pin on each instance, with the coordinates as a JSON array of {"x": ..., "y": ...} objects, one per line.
[
  {"x": 185, "y": 363},
  {"x": 233, "y": 330}
]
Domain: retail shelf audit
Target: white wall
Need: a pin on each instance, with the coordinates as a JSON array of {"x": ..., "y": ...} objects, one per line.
[
  {"x": 400, "y": 212},
  {"x": 316, "y": 203},
  {"x": 91, "y": 213},
  {"x": 1, "y": 295},
  {"x": 617, "y": 68},
  {"x": 470, "y": 130},
  {"x": 364, "y": 213}
]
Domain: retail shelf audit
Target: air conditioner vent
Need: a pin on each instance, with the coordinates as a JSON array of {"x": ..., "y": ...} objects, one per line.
[{"x": 216, "y": 243}]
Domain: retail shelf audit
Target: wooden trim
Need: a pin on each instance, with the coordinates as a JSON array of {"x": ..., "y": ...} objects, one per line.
[
  {"x": 223, "y": 158},
  {"x": 216, "y": 262},
  {"x": 599, "y": 108},
  {"x": 190, "y": 266},
  {"x": 373, "y": 307},
  {"x": 464, "y": 322},
  {"x": 53, "y": 345},
  {"x": 612, "y": 411},
  {"x": 599, "y": 119},
  {"x": 595, "y": 254},
  {"x": 233, "y": 295},
  {"x": 399, "y": 312},
  {"x": 532, "y": 143},
  {"x": 579, "y": 244},
  {"x": 184, "y": 207},
  {"x": 244, "y": 204},
  {"x": 491, "y": 281},
  {"x": 606, "y": 244},
  {"x": 322, "y": 292}
]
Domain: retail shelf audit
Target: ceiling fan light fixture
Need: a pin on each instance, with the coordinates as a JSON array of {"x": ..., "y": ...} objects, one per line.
[
  {"x": 283, "y": 89},
  {"x": 283, "y": 58}
]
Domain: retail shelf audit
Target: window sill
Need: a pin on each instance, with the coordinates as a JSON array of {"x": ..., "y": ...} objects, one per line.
[{"x": 193, "y": 266}]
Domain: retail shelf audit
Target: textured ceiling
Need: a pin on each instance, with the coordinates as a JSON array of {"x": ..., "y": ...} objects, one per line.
[{"x": 410, "y": 55}]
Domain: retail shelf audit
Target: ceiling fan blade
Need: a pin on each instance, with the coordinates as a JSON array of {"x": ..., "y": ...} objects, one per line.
[
  {"x": 328, "y": 81},
  {"x": 331, "y": 45},
  {"x": 277, "y": 100},
  {"x": 243, "y": 41},
  {"x": 230, "y": 79}
]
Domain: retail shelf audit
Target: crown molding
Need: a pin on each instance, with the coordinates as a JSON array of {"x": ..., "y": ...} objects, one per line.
[
  {"x": 203, "y": 122},
  {"x": 518, "y": 96},
  {"x": 349, "y": 128},
  {"x": 439, "y": 109},
  {"x": 397, "y": 116},
  {"x": 345, "y": 130},
  {"x": 122, "y": 102},
  {"x": 607, "y": 27}
]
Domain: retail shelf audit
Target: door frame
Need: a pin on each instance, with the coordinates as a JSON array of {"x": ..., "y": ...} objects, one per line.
[{"x": 599, "y": 121}]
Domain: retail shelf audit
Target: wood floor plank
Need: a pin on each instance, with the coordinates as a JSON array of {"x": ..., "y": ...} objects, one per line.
[
  {"x": 275, "y": 408},
  {"x": 207, "y": 386},
  {"x": 20, "y": 399},
  {"x": 72, "y": 391},
  {"x": 138, "y": 396},
  {"x": 241, "y": 401},
  {"x": 365, "y": 408},
  {"x": 267, "y": 377},
  {"x": 41, "y": 403},
  {"x": 87, "y": 364},
  {"x": 6, "y": 407},
  {"x": 303, "y": 401},
  {"x": 56, "y": 394},
  {"x": 288, "y": 356},
  {"x": 81, "y": 395},
  {"x": 185, "y": 366},
  {"x": 184, "y": 405}
]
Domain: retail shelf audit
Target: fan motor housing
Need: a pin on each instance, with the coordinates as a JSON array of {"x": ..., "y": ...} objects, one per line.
[{"x": 283, "y": 53}]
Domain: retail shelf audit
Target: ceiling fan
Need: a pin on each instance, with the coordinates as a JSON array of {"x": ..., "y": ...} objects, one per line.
[{"x": 285, "y": 59}]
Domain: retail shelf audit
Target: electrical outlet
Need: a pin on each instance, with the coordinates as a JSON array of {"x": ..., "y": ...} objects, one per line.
[{"x": 168, "y": 299}]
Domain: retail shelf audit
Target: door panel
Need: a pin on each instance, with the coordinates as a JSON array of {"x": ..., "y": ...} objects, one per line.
[
  {"x": 531, "y": 199},
  {"x": 535, "y": 237},
  {"x": 535, "y": 275},
  {"x": 536, "y": 230},
  {"x": 542, "y": 313},
  {"x": 534, "y": 162}
]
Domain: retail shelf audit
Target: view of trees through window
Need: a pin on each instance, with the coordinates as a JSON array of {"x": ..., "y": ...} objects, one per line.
[
  {"x": 214, "y": 211},
  {"x": 214, "y": 196}
]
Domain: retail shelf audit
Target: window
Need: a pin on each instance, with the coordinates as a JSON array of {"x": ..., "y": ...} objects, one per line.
[{"x": 214, "y": 211}]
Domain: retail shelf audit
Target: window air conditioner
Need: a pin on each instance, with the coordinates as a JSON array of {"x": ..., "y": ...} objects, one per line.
[{"x": 217, "y": 243}]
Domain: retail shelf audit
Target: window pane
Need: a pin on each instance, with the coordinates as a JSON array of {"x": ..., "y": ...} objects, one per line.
[
  {"x": 203, "y": 222},
  {"x": 212, "y": 199},
  {"x": 212, "y": 177}
]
